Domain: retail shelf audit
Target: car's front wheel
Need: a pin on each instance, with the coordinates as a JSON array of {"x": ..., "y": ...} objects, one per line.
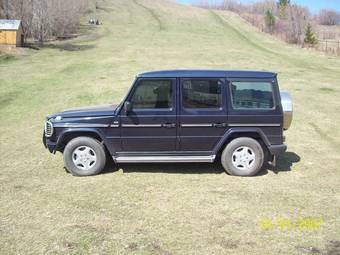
[
  {"x": 84, "y": 156},
  {"x": 243, "y": 156}
]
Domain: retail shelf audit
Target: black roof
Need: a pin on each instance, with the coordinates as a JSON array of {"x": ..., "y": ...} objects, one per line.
[{"x": 206, "y": 73}]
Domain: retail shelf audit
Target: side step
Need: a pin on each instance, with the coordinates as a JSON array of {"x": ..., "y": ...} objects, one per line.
[{"x": 163, "y": 159}]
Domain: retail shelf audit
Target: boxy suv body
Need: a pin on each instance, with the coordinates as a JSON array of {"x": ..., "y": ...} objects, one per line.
[{"x": 179, "y": 116}]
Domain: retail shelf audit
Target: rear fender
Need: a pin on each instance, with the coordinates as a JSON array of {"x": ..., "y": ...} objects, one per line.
[{"x": 239, "y": 131}]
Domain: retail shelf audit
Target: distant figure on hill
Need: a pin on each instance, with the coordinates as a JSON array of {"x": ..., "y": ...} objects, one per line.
[{"x": 94, "y": 22}]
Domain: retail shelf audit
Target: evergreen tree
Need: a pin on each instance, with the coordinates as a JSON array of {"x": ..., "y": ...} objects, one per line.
[
  {"x": 310, "y": 37},
  {"x": 282, "y": 4},
  {"x": 269, "y": 19}
]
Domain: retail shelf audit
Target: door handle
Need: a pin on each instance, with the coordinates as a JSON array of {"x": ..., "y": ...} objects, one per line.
[
  {"x": 169, "y": 125},
  {"x": 220, "y": 125}
]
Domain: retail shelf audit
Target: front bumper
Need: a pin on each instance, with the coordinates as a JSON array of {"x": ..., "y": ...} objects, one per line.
[
  {"x": 277, "y": 149},
  {"x": 51, "y": 146}
]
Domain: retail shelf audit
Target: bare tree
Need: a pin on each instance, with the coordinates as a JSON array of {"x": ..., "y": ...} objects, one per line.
[
  {"x": 41, "y": 22},
  {"x": 232, "y": 5},
  {"x": 297, "y": 18},
  {"x": 5, "y": 9},
  {"x": 263, "y": 6},
  {"x": 329, "y": 17}
]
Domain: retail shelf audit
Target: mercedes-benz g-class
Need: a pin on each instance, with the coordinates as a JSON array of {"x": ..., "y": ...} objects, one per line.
[{"x": 237, "y": 117}]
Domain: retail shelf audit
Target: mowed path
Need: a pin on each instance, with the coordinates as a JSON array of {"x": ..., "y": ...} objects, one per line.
[{"x": 172, "y": 208}]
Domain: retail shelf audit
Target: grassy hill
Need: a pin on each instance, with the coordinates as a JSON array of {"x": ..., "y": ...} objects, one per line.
[{"x": 173, "y": 208}]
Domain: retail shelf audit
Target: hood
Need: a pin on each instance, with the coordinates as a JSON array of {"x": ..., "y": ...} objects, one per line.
[{"x": 90, "y": 111}]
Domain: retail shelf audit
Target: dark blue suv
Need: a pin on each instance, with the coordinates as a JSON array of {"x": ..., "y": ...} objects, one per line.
[{"x": 237, "y": 117}]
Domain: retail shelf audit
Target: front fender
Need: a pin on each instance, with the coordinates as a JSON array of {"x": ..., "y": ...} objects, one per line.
[
  {"x": 240, "y": 130},
  {"x": 70, "y": 131}
]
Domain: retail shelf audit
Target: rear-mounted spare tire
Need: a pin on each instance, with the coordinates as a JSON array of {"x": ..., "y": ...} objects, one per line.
[{"x": 287, "y": 107}]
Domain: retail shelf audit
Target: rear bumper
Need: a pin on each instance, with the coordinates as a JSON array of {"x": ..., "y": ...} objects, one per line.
[
  {"x": 277, "y": 149},
  {"x": 51, "y": 146}
]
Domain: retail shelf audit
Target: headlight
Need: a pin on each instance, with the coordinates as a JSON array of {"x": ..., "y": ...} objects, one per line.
[{"x": 48, "y": 129}]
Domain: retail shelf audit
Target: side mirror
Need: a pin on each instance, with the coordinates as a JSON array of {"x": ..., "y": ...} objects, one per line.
[{"x": 127, "y": 106}]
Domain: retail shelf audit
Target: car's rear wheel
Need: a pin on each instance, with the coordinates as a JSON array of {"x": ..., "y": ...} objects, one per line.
[
  {"x": 84, "y": 156},
  {"x": 243, "y": 156}
]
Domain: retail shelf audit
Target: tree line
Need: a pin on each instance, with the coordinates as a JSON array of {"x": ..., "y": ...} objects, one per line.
[
  {"x": 291, "y": 22},
  {"x": 46, "y": 19}
]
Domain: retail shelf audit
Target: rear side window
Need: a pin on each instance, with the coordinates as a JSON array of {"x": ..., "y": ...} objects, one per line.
[
  {"x": 153, "y": 94},
  {"x": 252, "y": 95},
  {"x": 202, "y": 93}
]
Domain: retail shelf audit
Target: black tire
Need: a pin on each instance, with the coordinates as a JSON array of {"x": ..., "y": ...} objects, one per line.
[
  {"x": 251, "y": 157},
  {"x": 97, "y": 151}
]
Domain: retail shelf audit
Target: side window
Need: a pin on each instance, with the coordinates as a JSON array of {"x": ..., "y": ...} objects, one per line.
[
  {"x": 202, "y": 93},
  {"x": 252, "y": 95},
  {"x": 152, "y": 94}
]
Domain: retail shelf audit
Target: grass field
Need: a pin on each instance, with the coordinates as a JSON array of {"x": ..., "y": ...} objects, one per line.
[{"x": 172, "y": 208}]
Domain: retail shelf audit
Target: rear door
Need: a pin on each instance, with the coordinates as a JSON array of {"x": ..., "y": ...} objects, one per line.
[
  {"x": 203, "y": 113},
  {"x": 151, "y": 124}
]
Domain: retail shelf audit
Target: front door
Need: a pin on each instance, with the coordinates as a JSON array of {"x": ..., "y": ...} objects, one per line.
[
  {"x": 203, "y": 114},
  {"x": 150, "y": 125}
]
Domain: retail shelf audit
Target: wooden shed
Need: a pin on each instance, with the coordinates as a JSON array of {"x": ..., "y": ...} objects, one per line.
[{"x": 11, "y": 32}]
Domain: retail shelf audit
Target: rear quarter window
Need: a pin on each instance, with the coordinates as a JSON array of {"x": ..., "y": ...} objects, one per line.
[{"x": 252, "y": 95}]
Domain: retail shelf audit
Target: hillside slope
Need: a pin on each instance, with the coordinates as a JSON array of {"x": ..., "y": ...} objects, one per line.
[{"x": 148, "y": 209}]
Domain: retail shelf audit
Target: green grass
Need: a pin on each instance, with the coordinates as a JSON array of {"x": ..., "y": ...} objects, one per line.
[{"x": 172, "y": 208}]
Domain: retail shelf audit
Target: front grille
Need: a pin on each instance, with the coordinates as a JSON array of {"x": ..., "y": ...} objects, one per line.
[{"x": 48, "y": 129}]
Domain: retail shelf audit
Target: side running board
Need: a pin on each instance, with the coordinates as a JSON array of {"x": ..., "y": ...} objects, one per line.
[{"x": 164, "y": 159}]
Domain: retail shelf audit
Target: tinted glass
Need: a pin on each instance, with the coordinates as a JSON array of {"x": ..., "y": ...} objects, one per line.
[
  {"x": 152, "y": 94},
  {"x": 202, "y": 93},
  {"x": 258, "y": 95}
]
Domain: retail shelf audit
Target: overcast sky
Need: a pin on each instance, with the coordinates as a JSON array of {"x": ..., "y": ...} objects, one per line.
[{"x": 313, "y": 5}]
